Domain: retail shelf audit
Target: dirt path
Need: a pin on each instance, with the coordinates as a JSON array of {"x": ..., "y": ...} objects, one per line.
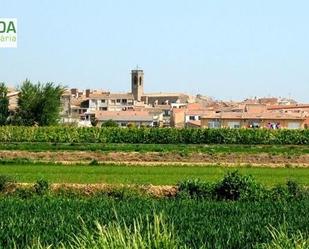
[
  {"x": 153, "y": 158},
  {"x": 90, "y": 189}
]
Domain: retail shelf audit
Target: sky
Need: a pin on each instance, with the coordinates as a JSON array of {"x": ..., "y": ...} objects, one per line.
[{"x": 229, "y": 50}]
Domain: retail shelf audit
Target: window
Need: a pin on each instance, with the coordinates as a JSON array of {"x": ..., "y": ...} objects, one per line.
[
  {"x": 233, "y": 124},
  {"x": 254, "y": 124},
  {"x": 273, "y": 125},
  {"x": 135, "y": 80},
  {"x": 191, "y": 117},
  {"x": 124, "y": 101},
  {"x": 214, "y": 124},
  {"x": 113, "y": 101},
  {"x": 140, "y": 80},
  {"x": 166, "y": 113},
  {"x": 118, "y": 100},
  {"x": 103, "y": 100},
  {"x": 103, "y": 108},
  {"x": 293, "y": 125}
]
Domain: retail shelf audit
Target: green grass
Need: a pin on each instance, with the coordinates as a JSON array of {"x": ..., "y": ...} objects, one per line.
[
  {"x": 157, "y": 175},
  {"x": 179, "y": 148},
  {"x": 233, "y": 225}
]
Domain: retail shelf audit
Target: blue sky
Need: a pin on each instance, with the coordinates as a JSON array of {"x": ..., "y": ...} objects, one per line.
[{"x": 221, "y": 48}]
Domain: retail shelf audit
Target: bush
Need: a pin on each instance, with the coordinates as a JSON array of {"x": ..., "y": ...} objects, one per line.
[
  {"x": 5, "y": 182},
  {"x": 195, "y": 189},
  {"x": 235, "y": 186},
  {"x": 94, "y": 162},
  {"x": 41, "y": 187},
  {"x": 24, "y": 193},
  {"x": 294, "y": 189},
  {"x": 291, "y": 190},
  {"x": 110, "y": 123}
]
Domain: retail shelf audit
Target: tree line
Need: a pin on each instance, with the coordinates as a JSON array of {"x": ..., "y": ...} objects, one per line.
[{"x": 37, "y": 104}]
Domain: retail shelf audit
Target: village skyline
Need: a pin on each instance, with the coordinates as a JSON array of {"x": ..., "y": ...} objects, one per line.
[{"x": 148, "y": 88}]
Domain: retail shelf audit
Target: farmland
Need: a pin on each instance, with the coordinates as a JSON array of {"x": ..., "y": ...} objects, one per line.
[
  {"x": 156, "y": 175},
  {"x": 153, "y": 136},
  {"x": 54, "y": 188},
  {"x": 143, "y": 148},
  {"x": 196, "y": 223}
]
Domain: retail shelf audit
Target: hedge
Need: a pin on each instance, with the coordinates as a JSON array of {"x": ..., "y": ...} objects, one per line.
[{"x": 152, "y": 135}]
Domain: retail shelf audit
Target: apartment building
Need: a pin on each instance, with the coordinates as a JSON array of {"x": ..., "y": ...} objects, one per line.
[
  {"x": 108, "y": 102},
  {"x": 270, "y": 120},
  {"x": 125, "y": 118}
]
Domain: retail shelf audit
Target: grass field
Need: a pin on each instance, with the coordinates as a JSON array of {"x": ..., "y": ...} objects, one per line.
[
  {"x": 156, "y": 175},
  {"x": 229, "y": 225}
]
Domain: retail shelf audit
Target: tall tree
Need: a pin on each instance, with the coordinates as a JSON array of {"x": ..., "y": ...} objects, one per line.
[
  {"x": 39, "y": 104},
  {"x": 4, "y": 104},
  {"x": 50, "y": 104}
]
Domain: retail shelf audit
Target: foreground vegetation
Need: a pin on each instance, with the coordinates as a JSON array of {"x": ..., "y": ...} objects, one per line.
[
  {"x": 153, "y": 135},
  {"x": 233, "y": 212},
  {"x": 156, "y": 175},
  {"x": 95, "y": 222}
]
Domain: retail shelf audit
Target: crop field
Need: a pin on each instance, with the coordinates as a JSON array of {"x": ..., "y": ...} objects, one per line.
[
  {"x": 153, "y": 135},
  {"x": 156, "y": 175},
  {"x": 56, "y": 220},
  {"x": 161, "y": 188}
]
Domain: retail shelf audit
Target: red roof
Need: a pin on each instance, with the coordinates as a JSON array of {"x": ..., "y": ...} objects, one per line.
[
  {"x": 194, "y": 123},
  {"x": 282, "y": 107},
  {"x": 194, "y": 106}
]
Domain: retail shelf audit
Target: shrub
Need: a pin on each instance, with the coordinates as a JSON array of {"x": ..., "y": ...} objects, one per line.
[
  {"x": 291, "y": 190},
  {"x": 94, "y": 162},
  {"x": 5, "y": 182},
  {"x": 278, "y": 192},
  {"x": 195, "y": 189},
  {"x": 41, "y": 187},
  {"x": 235, "y": 186},
  {"x": 24, "y": 193},
  {"x": 294, "y": 189},
  {"x": 110, "y": 123}
]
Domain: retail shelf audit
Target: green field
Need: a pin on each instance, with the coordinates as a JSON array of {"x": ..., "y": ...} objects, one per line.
[
  {"x": 61, "y": 134},
  {"x": 195, "y": 217},
  {"x": 231, "y": 225},
  {"x": 156, "y": 175}
]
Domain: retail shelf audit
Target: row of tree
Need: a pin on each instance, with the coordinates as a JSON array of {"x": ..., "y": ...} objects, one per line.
[{"x": 38, "y": 104}]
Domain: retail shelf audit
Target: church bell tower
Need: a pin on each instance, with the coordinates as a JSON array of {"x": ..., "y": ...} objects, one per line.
[{"x": 137, "y": 83}]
